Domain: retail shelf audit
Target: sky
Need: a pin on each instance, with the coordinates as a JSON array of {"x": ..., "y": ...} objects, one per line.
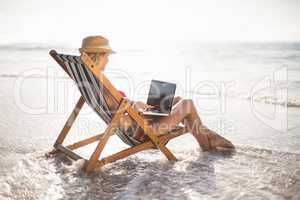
[{"x": 145, "y": 23}]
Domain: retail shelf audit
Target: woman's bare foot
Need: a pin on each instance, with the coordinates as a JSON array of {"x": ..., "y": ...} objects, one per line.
[{"x": 218, "y": 142}]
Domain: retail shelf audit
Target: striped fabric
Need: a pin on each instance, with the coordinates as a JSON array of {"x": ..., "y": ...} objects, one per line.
[{"x": 92, "y": 91}]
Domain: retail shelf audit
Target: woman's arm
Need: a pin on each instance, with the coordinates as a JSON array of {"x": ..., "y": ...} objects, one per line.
[
  {"x": 126, "y": 121},
  {"x": 141, "y": 106}
]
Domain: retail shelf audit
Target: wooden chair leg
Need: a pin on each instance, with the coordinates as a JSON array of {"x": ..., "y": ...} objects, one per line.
[
  {"x": 69, "y": 122},
  {"x": 124, "y": 153},
  {"x": 152, "y": 135},
  {"x": 91, "y": 164},
  {"x": 85, "y": 142},
  {"x": 79, "y": 144},
  {"x": 68, "y": 152},
  {"x": 138, "y": 148}
]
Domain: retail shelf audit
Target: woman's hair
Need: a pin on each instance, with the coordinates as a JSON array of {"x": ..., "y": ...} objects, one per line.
[{"x": 95, "y": 56}]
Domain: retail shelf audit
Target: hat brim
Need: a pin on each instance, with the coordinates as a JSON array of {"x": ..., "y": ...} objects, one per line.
[{"x": 96, "y": 50}]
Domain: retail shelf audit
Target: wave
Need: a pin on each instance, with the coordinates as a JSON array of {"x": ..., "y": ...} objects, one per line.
[
  {"x": 32, "y": 47},
  {"x": 291, "y": 102},
  {"x": 47, "y": 47},
  {"x": 31, "y": 76},
  {"x": 43, "y": 76}
]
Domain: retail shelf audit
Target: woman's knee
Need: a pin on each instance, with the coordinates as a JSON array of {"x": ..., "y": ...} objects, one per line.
[
  {"x": 177, "y": 99},
  {"x": 185, "y": 106},
  {"x": 187, "y": 102}
]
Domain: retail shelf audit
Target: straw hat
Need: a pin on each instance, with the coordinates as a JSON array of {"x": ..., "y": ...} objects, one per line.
[{"x": 95, "y": 44}]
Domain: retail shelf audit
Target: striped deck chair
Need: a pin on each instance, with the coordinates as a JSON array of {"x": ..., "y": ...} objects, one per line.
[{"x": 91, "y": 84}]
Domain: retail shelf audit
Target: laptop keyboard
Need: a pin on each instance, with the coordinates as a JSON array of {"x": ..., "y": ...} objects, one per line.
[{"x": 153, "y": 110}]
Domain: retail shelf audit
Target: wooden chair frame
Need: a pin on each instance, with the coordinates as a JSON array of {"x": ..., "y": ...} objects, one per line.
[{"x": 93, "y": 163}]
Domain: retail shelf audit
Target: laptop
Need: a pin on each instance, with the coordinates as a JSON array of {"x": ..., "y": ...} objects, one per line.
[{"x": 161, "y": 95}]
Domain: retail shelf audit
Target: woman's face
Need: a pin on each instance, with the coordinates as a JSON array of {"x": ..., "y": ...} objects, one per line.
[
  {"x": 103, "y": 60},
  {"x": 100, "y": 59}
]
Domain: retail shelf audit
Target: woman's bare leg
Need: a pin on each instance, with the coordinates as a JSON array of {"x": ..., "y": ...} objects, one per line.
[
  {"x": 185, "y": 111},
  {"x": 176, "y": 100}
]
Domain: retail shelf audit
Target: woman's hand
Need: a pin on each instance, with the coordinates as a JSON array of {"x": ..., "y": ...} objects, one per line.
[{"x": 141, "y": 106}]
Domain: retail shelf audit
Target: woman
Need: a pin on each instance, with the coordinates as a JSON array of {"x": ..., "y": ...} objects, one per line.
[{"x": 183, "y": 110}]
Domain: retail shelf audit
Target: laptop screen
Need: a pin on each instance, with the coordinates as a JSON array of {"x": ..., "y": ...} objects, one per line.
[{"x": 161, "y": 95}]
